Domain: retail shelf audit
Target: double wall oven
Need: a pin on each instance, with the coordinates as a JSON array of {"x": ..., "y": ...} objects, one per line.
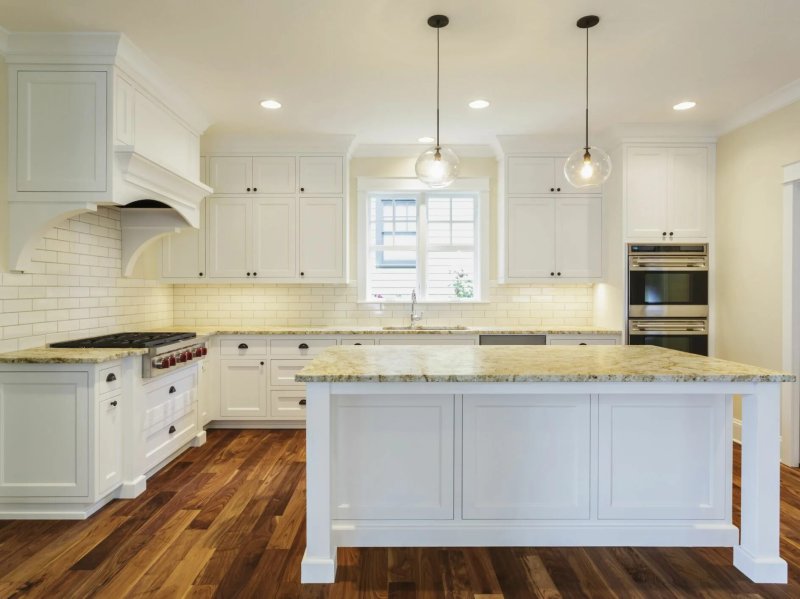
[{"x": 668, "y": 296}]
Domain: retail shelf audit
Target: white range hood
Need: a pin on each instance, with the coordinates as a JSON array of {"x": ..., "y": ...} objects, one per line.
[{"x": 94, "y": 122}]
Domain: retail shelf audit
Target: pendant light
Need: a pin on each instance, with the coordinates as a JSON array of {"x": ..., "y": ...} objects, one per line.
[
  {"x": 437, "y": 166},
  {"x": 588, "y": 165}
]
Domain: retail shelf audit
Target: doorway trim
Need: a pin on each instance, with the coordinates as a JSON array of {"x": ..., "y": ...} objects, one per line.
[{"x": 790, "y": 392}]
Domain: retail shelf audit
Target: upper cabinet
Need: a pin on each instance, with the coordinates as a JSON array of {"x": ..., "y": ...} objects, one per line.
[
  {"x": 668, "y": 192},
  {"x": 321, "y": 175},
  {"x": 534, "y": 175},
  {"x": 245, "y": 174}
]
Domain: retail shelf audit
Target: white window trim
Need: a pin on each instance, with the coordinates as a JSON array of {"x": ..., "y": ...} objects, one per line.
[{"x": 372, "y": 185}]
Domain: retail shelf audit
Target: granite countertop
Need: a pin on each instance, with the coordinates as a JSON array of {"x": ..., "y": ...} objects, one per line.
[
  {"x": 356, "y": 330},
  {"x": 501, "y": 364},
  {"x": 68, "y": 355}
]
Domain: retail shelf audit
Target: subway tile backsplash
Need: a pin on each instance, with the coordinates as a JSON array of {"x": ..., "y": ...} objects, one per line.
[{"x": 232, "y": 305}]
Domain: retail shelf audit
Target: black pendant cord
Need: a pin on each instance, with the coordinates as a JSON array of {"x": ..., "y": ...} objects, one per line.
[
  {"x": 586, "y": 147},
  {"x": 437, "y": 91}
]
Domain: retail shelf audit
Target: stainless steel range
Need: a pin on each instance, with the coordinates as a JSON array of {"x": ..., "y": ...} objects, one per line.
[{"x": 167, "y": 351}]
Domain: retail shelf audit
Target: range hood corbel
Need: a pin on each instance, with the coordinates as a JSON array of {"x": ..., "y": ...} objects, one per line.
[{"x": 143, "y": 226}]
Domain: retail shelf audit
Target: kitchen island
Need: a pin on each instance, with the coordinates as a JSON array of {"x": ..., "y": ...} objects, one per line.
[{"x": 538, "y": 446}]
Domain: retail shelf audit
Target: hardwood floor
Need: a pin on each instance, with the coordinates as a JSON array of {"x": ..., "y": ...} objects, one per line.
[{"x": 227, "y": 520}]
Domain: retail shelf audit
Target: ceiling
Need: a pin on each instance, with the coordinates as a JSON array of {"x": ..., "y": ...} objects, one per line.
[{"x": 366, "y": 67}]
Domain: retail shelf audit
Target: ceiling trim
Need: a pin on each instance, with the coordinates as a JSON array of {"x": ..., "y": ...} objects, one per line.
[
  {"x": 780, "y": 98},
  {"x": 414, "y": 150}
]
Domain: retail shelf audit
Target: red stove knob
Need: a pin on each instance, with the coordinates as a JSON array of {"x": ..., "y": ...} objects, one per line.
[
  {"x": 182, "y": 357},
  {"x": 172, "y": 361},
  {"x": 165, "y": 363},
  {"x": 189, "y": 355},
  {"x": 198, "y": 353},
  {"x": 204, "y": 350}
]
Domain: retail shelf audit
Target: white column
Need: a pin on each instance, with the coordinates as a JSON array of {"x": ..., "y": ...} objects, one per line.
[
  {"x": 757, "y": 555},
  {"x": 319, "y": 559}
]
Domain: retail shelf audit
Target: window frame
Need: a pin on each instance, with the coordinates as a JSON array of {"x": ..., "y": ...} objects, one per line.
[{"x": 396, "y": 188}]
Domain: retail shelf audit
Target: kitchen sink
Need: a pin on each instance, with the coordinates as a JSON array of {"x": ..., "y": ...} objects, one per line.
[{"x": 426, "y": 328}]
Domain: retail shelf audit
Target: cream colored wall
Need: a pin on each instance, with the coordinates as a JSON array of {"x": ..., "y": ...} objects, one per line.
[{"x": 749, "y": 205}]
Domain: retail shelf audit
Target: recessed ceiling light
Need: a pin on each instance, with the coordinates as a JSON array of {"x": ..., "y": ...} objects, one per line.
[
  {"x": 686, "y": 105},
  {"x": 271, "y": 104},
  {"x": 426, "y": 140},
  {"x": 478, "y": 104}
]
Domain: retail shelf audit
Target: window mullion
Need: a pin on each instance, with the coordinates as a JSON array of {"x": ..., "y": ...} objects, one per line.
[{"x": 422, "y": 243}]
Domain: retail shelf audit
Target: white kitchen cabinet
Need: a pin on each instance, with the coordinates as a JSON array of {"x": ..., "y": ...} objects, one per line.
[
  {"x": 243, "y": 388},
  {"x": 62, "y": 134},
  {"x": 287, "y": 404},
  {"x": 183, "y": 255},
  {"x": 321, "y": 175},
  {"x": 541, "y": 469},
  {"x": 230, "y": 174},
  {"x": 551, "y": 237},
  {"x": 274, "y": 238},
  {"x": 274, "y": 174},
  {"x": 229, "y": 237},
  {"x": 667, "y": 192},
  {"x": 428, "y": 340},
  {"x": 322, "y": 237},
  {"x": 109, "y": 444},
  {"x": 536, "y": 175}
]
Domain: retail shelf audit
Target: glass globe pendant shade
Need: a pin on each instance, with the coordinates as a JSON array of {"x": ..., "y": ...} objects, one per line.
[
  {"x": 589, "y": 167},
  {"x": 437, "y": 167}
]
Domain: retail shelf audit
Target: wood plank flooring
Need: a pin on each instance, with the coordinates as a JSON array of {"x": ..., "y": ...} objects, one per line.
[{"x": 227, "y": 520}]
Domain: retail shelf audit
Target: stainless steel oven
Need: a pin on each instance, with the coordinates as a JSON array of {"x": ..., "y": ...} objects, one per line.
[
  {"x": 683, "y": 334},
  {"x": 668, "y": 296}
]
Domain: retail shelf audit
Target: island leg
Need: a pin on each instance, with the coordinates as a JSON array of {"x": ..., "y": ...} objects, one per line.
[
  {"x": 757, "y": 555},
  {"x": 319, "y": 559}
]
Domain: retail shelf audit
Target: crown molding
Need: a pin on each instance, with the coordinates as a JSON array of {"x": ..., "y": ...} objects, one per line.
[
  {"x": 414, "y": 150},
  {"x": 780, "y": 98},
  {"x": 233, "y": 143}
]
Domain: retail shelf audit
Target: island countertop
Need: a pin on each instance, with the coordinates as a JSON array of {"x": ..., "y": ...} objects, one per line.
[{"x": 501, "y": 364}]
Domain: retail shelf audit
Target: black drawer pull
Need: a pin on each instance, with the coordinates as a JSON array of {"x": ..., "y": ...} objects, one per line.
[
  {"x": 172, "y": 429},
  {"x": 111, "y": 378},
  {"x": 172, "y": 389},
  {"x": 242, "y": 346},
  {"x": 113, "y": 404},
  {"x": 356, "y": 344},
  {"x": 303, "y": 346},
  {"x": 302, "y": 402},
  {"x": 581, "y": 344}
]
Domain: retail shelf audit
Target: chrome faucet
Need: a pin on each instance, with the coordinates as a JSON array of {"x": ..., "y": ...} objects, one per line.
[{"x": 414, "y": 316}]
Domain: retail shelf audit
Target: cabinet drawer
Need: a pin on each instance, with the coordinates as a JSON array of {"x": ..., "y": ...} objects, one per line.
[
  {"x": 281, "y": 372},
  {"x": 175, "y": 406},
  {"x": 109, "y": 378},
  {"x": 167, "y": 439},
  {"x": 583, "y": 341},
  {"x": 357, "y": 341},
  {"x": 169, "y": 389},
  {"x": 251, "y": 348},
  {"x": 299, "y": 347},
  {"x": 287, "y": 404}
]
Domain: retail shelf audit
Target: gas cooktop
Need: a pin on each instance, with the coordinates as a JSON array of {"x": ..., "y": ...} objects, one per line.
[{"x": 147, "y": 340}]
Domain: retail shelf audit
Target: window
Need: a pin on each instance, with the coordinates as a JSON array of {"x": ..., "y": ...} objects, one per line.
[{"x": 425, "y": 240}]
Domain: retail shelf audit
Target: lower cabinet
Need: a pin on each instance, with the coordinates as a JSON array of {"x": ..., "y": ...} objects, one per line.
[
  {"x": 170, "y": 418},
  {"x": 287, "y": 404},
  {"x": 109, "y": 444},
  {"x": 526, "y": 457},
  {"x": 243, "y": 388},
  {"x": 582, "y": 340}
]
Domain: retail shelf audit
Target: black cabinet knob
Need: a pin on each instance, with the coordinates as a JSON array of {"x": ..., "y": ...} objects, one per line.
[
  {"x": 111, "y": 377},
  {"x": 113, "y": 404},
  {"x": 552, "y": 189},
  {"x": 302, "y": 274},
  {"x": 248, "y": 274},
  {"x": 302, "y": 189},
  {"x": 671, "y": 233},
  {"x": 558, "y": 189},
  {"x": 255, "y": 189},
  {"x": 664, "y": 233},
  {"x": 552, "y": 274},
  {"x": 172, "y": 429},
  {"x": 558, "y": 273},
  {"x": 255, "y": 273},
  {"x": 303, "y": 346},
  {"x": 201, "y": 274},
  {"x": 248, "y": 189},
  {"x": 172, "y": 389},
  {"x": 302, "y": 402},
  {"x": 262, "y": 363},
  {"x": 242, "y": 346}
]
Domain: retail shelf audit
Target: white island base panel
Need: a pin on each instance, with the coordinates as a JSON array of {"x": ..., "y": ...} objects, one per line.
[{"x": 540, "y": 464}]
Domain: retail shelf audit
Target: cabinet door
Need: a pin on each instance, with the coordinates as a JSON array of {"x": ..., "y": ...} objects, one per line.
[
  {"x": 243, "y": 388},
  {"x": 321, "y": 238},
  {"x": 275, "y": 238},
  {"x": 44, "y": 435},
  {"x": 230, "y": 174},
  {"x": 688, "y": 192},
  {"x": 229, "y": 232},
  {"x": 646, "y": 184},
  {"x": 526, "y": 456},
  {"x": 287, "y": 404},
  {"x": 579, "y": 233},
  {"x": 183, "y": 255},
  {"x": 531, "y": 237},
  {"x": 321, "y": 174},
  {"x": 109, "y": 445},
  {"x": 62, "y": 131},
  {"x": 274, "y": 174},
  {"x": 530, "y": 175}
]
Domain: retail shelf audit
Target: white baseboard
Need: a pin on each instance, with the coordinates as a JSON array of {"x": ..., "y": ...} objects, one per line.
[{"x": 256, "y": 424}]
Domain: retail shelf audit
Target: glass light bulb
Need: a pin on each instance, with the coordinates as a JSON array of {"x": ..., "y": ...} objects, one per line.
[
  {"x": 437, "y": 167},
  {"x": 582, "y": 170}
]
